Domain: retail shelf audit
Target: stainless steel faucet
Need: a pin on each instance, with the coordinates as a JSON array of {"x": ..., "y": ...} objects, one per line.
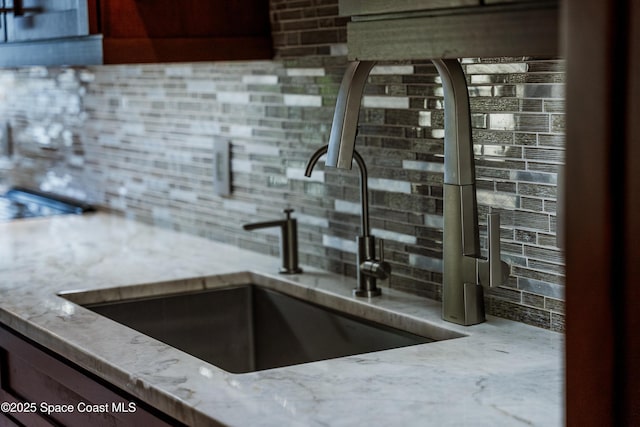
[
  {"x": 465, "y": 271},
  {"x": 370, "y": 269},
  {"x": 288, "y": 241}
]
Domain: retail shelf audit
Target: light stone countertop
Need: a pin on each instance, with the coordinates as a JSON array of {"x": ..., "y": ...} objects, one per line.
[{"x": 501, "y": 373}]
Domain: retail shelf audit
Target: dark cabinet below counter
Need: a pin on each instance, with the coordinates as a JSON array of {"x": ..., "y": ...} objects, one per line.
[
  {"x": 37, "y": 388},
  {"x": 92, "y": 32}
]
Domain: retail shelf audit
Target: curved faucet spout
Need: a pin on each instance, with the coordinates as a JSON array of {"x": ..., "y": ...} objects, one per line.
[
  {"x": 458, "y": 158},
  {"x": 345, "y": 117},
  {"x": 364, "y": 187},
  {"x": 458, "y": 148},
  {"x": 314, "y": 159}
]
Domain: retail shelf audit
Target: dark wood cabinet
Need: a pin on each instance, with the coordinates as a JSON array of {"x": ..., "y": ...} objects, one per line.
[
  {"x": 32, "y": 379},
  {"x": 602, "y": 178},
  {"x": 185, "y": 18},
  {"x": 138, "y": 31}
]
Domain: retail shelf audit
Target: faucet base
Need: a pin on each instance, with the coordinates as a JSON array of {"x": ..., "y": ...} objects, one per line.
[
  {"x": 290, "y": 270},
  {"x": 367, "y": 292},
  {"x": 474, "y": 303},
  {"x": 473, "y": 307}
]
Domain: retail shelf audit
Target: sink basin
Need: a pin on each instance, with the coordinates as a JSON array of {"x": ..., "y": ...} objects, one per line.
[{"x": 246, "y": 327}]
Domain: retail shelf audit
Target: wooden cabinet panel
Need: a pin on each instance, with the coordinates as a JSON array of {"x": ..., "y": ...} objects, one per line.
[
  {"x": 603, "y": 247},
  {"x": 18, "y": 416},
  {"x": 8, "y": 422},
  {"x": 29, "y": 374},
  {"x": 143, "y": 31},
  {"x": 183, "y": 19},
  {"x": 632, "y": 197}
]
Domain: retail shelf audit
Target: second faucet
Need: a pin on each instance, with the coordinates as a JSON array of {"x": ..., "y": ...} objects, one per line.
[{"x": 369, "y": 269}]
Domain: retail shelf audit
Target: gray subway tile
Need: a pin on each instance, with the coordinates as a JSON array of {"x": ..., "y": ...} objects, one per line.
[
  {"x": 159, "y": 121},
  {"x": 551, "y": 290}
]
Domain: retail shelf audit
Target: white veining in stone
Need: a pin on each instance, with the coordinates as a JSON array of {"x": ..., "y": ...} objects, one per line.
[{"x": 501, "y": 373}]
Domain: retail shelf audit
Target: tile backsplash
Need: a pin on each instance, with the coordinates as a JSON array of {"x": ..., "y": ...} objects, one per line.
[{"x": 138, "y": 139}]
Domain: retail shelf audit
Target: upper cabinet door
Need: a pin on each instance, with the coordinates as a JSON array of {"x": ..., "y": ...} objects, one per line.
[
  {"x": 3, "y": 28},
  {"x": 45, "y": 19},
  {"x": 89, "y": 32}
]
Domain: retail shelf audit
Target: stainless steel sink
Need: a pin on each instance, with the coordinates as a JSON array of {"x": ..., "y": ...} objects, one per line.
[{"x": 247, "y": 327}]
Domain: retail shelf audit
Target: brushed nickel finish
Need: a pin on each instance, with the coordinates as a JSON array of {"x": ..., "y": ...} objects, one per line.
[
  {"x": 465, "y": 270},
  {"x": 370, "y": 269},
  {"x": 288, "y": 241}
]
